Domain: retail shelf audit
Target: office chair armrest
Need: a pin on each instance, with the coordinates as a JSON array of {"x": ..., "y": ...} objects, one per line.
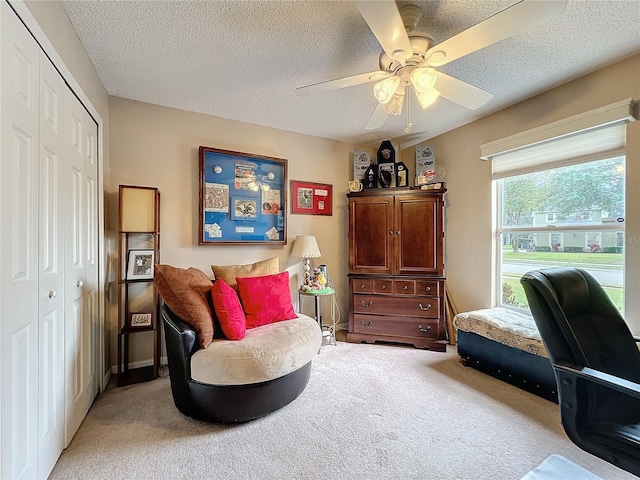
[{"x": 592, "y": 375}]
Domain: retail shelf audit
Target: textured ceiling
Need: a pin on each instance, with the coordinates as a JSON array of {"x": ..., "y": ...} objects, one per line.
[{"x": 243, "y": 60}]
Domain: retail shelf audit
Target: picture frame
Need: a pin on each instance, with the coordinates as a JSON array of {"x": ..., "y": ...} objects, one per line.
[
  {"x": 141, "y": 320},
  {"x": 243, "y": 198},
  {"x": 310, "y": 198},
  {"x": 140, "y": 264},
  {"x": 243, "y": 208}
]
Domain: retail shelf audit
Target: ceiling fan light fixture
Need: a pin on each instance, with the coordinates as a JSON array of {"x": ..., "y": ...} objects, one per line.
[
  {"x": 394, "y": 107},
  {"x": 423, "y": 79},
  {"x": 386, "y": 89},
  {"x": 427, "y": 98}
]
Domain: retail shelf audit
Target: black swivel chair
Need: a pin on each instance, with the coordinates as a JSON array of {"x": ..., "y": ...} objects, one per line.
[{"x": 595, "y": 360}]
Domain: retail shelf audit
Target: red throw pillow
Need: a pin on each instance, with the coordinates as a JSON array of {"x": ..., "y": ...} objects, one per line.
[
  {"x": 266, "y": 299},
  {"x": 228, "y": 310}
]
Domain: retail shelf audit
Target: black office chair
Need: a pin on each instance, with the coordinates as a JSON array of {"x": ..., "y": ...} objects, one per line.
[{"x": 595, "y": 360}]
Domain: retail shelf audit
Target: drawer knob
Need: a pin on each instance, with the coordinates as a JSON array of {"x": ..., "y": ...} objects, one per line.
[
  {"x": 424, "y": 308},
  {"x": 368, "y": 324},
  {"x": 428, "y": 289},
  {"x": 383, "y": 286},
  {"x": 362, "y": 285},
  {"x": 366, "y": 304},
  {"x": 390, "y": 232},
  {"x": 405, "y": 288},
  {"x": 424, "y": 330}
]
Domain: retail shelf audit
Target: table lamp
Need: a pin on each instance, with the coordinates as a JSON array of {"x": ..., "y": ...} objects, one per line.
[{"x": 305, "y": 246}]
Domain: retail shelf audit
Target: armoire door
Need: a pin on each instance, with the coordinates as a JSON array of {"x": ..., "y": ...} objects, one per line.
[
  {"x": 418, "y": 239},
  {"x": 371, "y": 234}
]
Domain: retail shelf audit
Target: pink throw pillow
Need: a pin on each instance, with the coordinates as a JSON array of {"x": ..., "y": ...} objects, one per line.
[
  {"x": 228, "y": 310},
  {"x": 266, "y": 299}
]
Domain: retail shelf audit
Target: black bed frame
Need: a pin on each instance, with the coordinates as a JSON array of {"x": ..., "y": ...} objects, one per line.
[{"x": 532, "y": 373}]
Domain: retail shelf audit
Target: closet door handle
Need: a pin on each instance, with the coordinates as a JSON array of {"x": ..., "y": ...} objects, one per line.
[
  {"x": 424, "y": 308},
  {"x": 79, "y": 283},
  {"x": 53, "y": 294}
]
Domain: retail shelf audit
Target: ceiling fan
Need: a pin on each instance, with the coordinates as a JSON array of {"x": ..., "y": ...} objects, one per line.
[{"x": 409, "y": 57}]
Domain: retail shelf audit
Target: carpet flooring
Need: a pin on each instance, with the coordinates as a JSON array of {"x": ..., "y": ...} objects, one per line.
[{"x": 369, "y": 412}]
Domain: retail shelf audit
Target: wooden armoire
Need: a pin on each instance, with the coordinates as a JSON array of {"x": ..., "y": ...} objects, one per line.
[{"x": 396, "y": 267}]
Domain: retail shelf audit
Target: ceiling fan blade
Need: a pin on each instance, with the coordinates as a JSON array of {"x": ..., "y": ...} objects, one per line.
[
  {"x": 341, "y": 83},
  {"x": 461, "y": 92},
  {"x": 377, "y": 118},
  {"x": 385, "y": 22},
  {"x": 508, "y": 22}
]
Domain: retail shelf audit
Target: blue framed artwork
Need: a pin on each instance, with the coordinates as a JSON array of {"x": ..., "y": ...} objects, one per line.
[{"x": 242, "y": 198}]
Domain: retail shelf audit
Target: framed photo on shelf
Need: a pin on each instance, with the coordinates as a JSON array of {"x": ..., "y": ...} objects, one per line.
[
  {"x": 140, "y": 319},
  {"x": 311, "y": 198},
  {"x": 140, "y": 265},
  {"x": 243, "y": 198}
]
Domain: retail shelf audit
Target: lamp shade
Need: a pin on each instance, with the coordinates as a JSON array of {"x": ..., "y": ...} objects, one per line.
[
  {"x": 385, "y": 89},
  {"x": 305, "y": 246}
]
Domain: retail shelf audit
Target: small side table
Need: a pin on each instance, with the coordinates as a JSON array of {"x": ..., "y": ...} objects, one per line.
[{"x": 329, "y": 329}]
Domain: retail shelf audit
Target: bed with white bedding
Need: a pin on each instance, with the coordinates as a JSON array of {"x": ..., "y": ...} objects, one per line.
[{"x": 506, "y": 344}]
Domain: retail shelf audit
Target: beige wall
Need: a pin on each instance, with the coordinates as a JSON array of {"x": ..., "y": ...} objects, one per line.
[
  {"x": 158, "y": 146},
  {"x": 469, "y": 218}
]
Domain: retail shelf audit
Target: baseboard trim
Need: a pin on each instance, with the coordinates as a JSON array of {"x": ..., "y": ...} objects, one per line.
[{"x": 142, "y": 363}]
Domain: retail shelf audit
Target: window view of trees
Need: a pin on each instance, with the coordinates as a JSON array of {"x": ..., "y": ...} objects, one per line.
[{"x": 573, "y": 215}]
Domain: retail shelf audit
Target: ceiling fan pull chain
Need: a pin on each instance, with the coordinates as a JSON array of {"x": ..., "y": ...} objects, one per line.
[{"x": 409, "y": 124}]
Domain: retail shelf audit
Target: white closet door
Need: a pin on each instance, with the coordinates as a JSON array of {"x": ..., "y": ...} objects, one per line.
[
  {"x": 19, "y": 92},
  {"x": 51, "y": 415},
  {"x": 81, "y": 265},
  {"x": 48, "y": 257},
  {"x": 91, "y": 283}
]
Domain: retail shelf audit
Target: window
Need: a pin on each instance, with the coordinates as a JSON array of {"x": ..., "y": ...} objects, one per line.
[
  {"x": 587, "y": 230},
  {"x": 573, "y": 168}
]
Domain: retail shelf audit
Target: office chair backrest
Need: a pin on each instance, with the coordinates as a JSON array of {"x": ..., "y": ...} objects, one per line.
[{"x": 578, "y": 322}]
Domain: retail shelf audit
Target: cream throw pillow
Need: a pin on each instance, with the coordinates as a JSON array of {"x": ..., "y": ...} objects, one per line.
[{"x": 228, "y": 273}]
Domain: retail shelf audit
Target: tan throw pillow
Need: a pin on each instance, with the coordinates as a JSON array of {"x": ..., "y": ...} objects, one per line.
[
  {"x": 187, "y": 293},
  {"x": 228, "y": 273}
]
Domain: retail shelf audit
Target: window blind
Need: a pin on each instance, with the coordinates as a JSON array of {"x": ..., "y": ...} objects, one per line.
[
  {"x": 586, "y": 146},
  {"x": 589, "y": 136}
]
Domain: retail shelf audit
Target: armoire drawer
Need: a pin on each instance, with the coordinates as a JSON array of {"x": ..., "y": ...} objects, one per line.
[
  {"x": 362, "y": 285},
  {"x": 401, "y": 306},
  {"x": 428, "y": 287},
  {"x": 382, "y": 285},
  {"x": 397, "y": 326}
]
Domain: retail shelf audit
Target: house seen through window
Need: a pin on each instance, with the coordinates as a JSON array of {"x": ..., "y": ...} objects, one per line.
[{"x": 566, "y": 216}]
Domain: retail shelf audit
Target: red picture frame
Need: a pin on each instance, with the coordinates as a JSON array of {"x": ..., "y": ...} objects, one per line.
[{"x": 309, "y": 198}]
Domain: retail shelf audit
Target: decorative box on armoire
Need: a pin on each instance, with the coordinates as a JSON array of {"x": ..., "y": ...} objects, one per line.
[{"x": 396, "y": 267}]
